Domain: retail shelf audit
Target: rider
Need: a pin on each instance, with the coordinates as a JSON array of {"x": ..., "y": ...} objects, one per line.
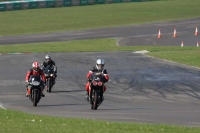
[
  {"x": 98, "y": 68},
  {"x": 48, "y": 61},
  {"x": 35, "y": 71}
]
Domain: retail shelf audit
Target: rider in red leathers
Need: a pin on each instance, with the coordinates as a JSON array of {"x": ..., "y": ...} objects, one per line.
[
  {"x": 35, "y": 71},
  {"x": 98, "y": 68}
]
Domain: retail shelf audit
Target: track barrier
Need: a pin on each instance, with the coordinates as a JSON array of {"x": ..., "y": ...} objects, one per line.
[{"x": 35, "y": 4}]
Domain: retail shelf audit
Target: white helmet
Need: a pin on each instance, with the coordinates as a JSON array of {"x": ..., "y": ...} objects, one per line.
[
  {"x": 36, "y": 66},
  {"x": 47, "y": 58},
  {"x": 100, "y": 64}
]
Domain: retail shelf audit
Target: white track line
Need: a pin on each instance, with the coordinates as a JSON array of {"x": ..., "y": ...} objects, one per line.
[
  {"x": 2, "y": 107},
  {"x": 118, "y": 41}
]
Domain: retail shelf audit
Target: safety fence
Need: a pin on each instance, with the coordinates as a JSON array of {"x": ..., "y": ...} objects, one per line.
[{"x": 34, "y": 4}]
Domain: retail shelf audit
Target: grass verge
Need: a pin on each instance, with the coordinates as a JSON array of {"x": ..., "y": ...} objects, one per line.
[
  {"x": 95, "y": 16},
  {"x": 20, "y": 122}
]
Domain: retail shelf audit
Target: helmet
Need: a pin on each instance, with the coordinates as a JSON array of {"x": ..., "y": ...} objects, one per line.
[
  {"x": 100, "y": 64},
  {"x": 36, "y": 66},
  {"x": 47, "y": 58}
]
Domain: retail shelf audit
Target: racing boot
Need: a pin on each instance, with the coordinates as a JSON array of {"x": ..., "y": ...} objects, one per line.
[
  {"x": 89, "y": 100},
  {"x": 87, "y": 96},
  {"x": 28, "y": 92},
  {"x": 42, "y": 94}
]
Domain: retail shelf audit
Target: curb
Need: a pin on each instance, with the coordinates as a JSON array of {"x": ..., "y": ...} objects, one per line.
[{"x": 17, "y": 53}]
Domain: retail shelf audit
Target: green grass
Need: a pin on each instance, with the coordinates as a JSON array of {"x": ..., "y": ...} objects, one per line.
[
  {"x": 95, "y": 16},
  {"x": 93, "y": 45},
  {"x": 19, "y": 122},
  {"x": 189, "y": 57}
]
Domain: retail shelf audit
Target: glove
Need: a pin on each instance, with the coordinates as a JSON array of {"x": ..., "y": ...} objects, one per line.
[
  {"x": 27, "y": 82},
  {"x": 89, "y": 79}
]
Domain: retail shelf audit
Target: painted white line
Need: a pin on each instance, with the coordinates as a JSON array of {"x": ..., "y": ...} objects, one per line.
[
  {"x": 141, "y": 52},
  {"x": 118, "y": 41},
  {"x": 2, "y": 107}
]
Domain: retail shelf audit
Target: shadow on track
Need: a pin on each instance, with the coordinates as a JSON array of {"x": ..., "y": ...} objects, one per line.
[
  {"x": 57, "y": 105},
  {"x": 68, "y": 91}
]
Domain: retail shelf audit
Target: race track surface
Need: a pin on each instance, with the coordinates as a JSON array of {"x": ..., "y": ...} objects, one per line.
[{"x": 141, "y": 88}]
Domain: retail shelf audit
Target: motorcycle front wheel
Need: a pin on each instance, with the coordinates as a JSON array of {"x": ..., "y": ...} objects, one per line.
[
  {"x": 49, "y": 85},
  {"x": 35, "y": 98},
  {"x": 95, "y": 101}
]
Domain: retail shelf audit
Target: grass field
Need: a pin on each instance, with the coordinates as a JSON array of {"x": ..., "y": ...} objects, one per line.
[
  {"x": 22, "y": 123},
  {"x": 95, "y": 16},
  {"x": 85, "y": 17}
]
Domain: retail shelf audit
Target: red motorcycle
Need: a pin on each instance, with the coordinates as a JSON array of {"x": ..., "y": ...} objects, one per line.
[{"x": 96, "y": 92}]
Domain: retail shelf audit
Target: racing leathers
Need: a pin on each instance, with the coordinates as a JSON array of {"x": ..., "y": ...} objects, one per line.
[
  {"x": 52, "y": 64},
  {"x": 29, "y": 74},
  {"x": 106, "y": 78}
]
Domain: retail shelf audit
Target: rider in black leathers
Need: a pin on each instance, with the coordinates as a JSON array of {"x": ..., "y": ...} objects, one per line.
[{"x": 48, "y": 61}]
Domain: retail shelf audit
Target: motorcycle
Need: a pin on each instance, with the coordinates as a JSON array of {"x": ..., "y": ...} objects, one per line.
[
  {"x": 49, "y": 74},
  {"x": 96, "y": 92},
  {"x": 35, "y": 90}
]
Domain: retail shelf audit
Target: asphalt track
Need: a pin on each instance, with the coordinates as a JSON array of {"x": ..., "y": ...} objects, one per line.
[{"x": 141, "y": 88}]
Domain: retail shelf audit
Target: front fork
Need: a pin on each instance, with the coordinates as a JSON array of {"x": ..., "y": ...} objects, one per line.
[{"x": 91, "y": 94}]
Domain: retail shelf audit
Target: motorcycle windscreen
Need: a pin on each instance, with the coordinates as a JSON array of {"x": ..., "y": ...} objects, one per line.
[
  {"x": 48, "y": 70},
  {"x": 97, "y": 76},
  {"x": 35, "y": 80}
]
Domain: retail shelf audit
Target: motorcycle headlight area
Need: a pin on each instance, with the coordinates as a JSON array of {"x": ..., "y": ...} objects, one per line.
[
  {"x": 51, "y": 75},
  {"x": 95, "y": 83},
  {"x": 100, "y": 83},
  {"x": 35, "y": 83}
]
